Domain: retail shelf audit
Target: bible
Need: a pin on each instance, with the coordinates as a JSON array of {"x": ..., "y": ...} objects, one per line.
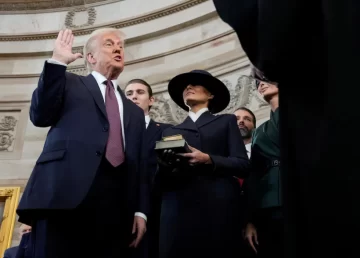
[{"x": 174, "y": 142}]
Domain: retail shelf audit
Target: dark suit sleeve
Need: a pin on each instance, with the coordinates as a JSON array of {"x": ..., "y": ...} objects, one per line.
[
  {"x": 144, "y": 188},
  {"x": 163, "y": 174},
  {"x": 47, "y": 99},
  {"x": 11, "y": 252},
  {"x": 237, "y": 163},
  {"x": 25, "y": 250},
  {"x": 6, "y": 254}
]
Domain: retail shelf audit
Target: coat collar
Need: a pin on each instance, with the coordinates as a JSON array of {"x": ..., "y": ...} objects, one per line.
[
  {"x": 94, "y": 89},
  {"x": 203, "y": 120}
]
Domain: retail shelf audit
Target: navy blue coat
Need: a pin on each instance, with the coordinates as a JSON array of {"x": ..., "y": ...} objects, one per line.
[
  {"x": 200, "y": 212},
  {"x": 74, "y": 108},
  {"x": 11, "y": 252}
]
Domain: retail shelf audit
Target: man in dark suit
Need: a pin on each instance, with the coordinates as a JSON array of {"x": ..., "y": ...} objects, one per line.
[
  {"x": 140, "y": 92},
  {"x": 319, "y": 167},
  {"x": 24, "y": 231},
  {"x": 90, "y": 170}
]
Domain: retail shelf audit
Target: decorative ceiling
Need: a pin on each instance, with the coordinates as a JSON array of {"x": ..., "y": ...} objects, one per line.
[{"x": 45, "y": 5}]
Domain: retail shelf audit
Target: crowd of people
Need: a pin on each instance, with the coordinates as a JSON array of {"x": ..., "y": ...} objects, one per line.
[
  {"x": 122, "y": 198},
  {"x": 241, "y": 190}
]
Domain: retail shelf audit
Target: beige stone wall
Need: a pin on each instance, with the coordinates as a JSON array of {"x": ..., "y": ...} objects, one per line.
[{"x": 166, "y": 38}]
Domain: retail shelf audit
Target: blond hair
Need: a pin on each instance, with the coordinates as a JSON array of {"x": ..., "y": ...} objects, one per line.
[{"x": 93, "y": 36}]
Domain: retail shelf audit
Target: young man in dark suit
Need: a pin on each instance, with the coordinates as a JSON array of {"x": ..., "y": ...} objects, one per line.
[
  {"x": 90, "y": 171},
  {"x": 140, "y": 92}
]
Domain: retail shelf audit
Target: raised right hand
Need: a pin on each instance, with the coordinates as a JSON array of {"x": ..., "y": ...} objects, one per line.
[{"x": 63, "y": 48}]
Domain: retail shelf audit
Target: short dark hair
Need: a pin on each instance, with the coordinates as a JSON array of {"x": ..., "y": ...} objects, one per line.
[
  {"x": 143, "y": 82},
  {"x": 250, "y": 112}
]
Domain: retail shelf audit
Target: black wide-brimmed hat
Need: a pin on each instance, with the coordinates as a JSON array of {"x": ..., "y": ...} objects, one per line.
[{"x": 216, "y": 87}]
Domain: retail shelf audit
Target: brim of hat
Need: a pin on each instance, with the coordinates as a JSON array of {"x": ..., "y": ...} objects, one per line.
[{"x": 217, "y": 88}]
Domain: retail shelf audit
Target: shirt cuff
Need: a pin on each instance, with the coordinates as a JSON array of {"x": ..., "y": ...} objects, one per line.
[
  {"x": 53, "y": 61},
  {"x": 142, "y": 215}
]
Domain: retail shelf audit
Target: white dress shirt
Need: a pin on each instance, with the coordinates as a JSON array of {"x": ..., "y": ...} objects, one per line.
[
  {"x": 147, "y": 121},
  {"x": 195, "y": 116},
  {"x": 100, "y": 79},
  {"x": 248, "y": 149}
]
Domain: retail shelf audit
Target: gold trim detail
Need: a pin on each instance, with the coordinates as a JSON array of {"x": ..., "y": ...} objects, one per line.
[
  {"x": 118, "y": 25},
  {"x": 9, "y": 195}
]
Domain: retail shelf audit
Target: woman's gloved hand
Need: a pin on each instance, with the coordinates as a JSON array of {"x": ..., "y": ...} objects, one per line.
[{"x": 168, "y": 158}]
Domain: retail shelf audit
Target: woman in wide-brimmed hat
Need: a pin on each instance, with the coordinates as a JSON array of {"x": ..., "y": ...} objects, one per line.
[{"x": 200, "y": 214}]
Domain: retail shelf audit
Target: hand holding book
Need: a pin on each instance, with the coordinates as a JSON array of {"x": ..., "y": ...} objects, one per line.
[
  {"x": 168, "y": 148},
  {"x": 173, "y": 151},
  {"x": 196, "y": 157}
]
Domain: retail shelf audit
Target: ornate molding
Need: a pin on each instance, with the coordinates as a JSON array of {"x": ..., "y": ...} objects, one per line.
[
  {"x": 9, "y": 195},
  {"x": 71, "y": 14},
  {"x": 49, "y": 6},
  {"x": 81, "y": 70},
  {"x": 8, "y": 123},
  {"x": 8, "y": 192},
  {"x": 7, "y": 133},
  {"x": 13, "y": 120},
  {"x": 118, "y": 25},
  {"x": 129, "y": 41}
]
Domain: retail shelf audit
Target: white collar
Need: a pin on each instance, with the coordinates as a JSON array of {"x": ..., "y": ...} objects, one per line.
[
  {"x": 101, "y": 78},
  {"x": 147, "y": 119},
  {"x": 248, "y": 149},
  {"x": 195, "y": 116}
]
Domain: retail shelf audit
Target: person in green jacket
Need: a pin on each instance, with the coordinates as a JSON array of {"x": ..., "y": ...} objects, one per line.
[{"x": 264, "y": 232}]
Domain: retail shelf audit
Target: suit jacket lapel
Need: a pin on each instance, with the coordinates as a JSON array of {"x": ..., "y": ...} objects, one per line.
[
  {"x": 205, "y": 118},
  {"x": 151, "y": 131},
  {"x": 94, "y": 89},
  {"x": 126, "y": 110}
]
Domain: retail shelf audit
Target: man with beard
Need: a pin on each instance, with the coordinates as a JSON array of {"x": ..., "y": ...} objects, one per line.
[{"x": 246, "y": 121}]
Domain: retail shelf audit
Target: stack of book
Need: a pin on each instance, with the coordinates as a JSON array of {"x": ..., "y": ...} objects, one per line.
[{"x": 176, "y": 143}]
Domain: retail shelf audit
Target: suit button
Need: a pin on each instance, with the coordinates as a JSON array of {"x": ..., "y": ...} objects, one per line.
[
  {"x": 98, "y": 153},
  {"x": 106, "y": 128}
]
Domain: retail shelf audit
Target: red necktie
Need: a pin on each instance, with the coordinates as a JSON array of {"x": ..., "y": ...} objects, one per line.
[{"x": 114, "y": 147}]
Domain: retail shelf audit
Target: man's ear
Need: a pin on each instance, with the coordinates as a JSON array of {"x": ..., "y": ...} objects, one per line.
[
  {"x": 211, "y": 97},
  {"x": 152, "y": 100},
  {"x": 90, "y": 58}
]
